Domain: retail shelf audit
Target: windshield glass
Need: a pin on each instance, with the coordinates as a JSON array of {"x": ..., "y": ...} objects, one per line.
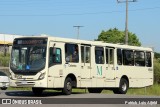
[{"x": 28, "y": 58}]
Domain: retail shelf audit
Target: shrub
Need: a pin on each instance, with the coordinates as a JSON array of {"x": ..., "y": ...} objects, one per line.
[
  {"x": 156, "y": 71},
  {"x": 4, "y": 60}
]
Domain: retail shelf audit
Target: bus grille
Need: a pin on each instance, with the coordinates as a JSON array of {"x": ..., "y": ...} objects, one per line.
[{"x": 25, "y": 83}]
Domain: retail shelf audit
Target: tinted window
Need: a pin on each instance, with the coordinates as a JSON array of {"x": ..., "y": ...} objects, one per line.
[
  {"x": 128, "y": 57},
  {"x": 85, "y": 54},
  {"x": 148, "y": 59},
  {"x": 119, "y": 56},
  {"x": 139, "y": 58},
  {"x": 107, "y": 56},
  {"x": 55, "y": 56},
  {"x": 71, "y": 53},
  {"x": 99, "y": 55},
  {"x": 111, "y": 56}
]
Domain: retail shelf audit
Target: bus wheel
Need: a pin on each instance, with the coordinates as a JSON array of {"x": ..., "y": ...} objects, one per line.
[
  {"x": 123, "y": 87},
  {"x": 67, "y": 90},
  {"x": 95, "y": 90},
  {"x": 37, "y": 91}
]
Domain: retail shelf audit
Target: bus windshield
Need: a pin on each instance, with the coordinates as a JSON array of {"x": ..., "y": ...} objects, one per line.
[{"x": 28, "y": 58}]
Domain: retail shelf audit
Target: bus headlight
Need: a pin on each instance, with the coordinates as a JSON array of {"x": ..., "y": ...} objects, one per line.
[
  {"x": 11, "y": 77},
  {"x": 41, "y": 76}
]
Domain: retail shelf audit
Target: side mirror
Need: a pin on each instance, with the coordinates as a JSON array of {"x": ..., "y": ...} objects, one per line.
[
  {"x": 54, "y": 51},
  {"x": 67, "y": 59}
]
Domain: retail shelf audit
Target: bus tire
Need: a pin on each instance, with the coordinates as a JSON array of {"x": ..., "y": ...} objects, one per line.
[
  {"x": 37, "y": 91},
  {"x": 67, "y": 90},
  {"x": 95, "y": 90},
  {"x": 123, "y": 87}
]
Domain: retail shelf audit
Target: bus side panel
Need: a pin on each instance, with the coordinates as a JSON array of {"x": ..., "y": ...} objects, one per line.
[{"x": 137, "y": 76}]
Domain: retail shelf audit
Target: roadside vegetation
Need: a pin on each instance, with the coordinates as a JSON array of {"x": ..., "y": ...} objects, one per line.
[{"x": 4, "y": 60}]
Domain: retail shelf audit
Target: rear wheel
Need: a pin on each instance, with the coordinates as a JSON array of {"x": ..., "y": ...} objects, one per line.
[
  {"x": 95, "y": 90},
  {"x": 67, "y": 90},
  {"x": 123, "y": 87},
  {"x": 37, "y": 91}
]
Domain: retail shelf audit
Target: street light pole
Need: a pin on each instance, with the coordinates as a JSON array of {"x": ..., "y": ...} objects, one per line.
[
  {"x": 126, "y": 23},
  {"x": 78, "y": 27}
]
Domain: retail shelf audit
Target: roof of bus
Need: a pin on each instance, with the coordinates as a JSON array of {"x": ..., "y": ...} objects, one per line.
[{"x": 93, "y": 43}]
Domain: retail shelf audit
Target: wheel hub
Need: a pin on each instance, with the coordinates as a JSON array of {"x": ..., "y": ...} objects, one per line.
[
  {"x": 69, "y": 87},
  {"x": 124, "y": 87}
]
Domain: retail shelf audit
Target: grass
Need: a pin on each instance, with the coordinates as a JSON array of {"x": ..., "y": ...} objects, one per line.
[
  {"x": 152, "y": 90},
  {"x": 24, "y": 89}
]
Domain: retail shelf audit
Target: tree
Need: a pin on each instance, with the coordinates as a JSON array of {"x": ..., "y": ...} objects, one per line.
[
  {"x": 116, "y": 36},
  {"x": 157, "y": 55}
]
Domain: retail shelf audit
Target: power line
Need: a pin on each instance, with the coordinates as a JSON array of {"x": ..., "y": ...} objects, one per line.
[
  {"x": 78, "y": 27},
  {"x": 77, "y": 14}
]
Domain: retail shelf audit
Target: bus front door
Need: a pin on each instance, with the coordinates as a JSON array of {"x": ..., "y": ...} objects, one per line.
[{"x": 55, "y": 68}]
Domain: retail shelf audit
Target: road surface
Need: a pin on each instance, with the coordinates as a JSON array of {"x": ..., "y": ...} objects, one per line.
[{"x": 7, "y": 94}]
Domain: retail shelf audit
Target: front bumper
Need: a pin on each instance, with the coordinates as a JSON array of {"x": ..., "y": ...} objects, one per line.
[{"x": 29, "y": 83}]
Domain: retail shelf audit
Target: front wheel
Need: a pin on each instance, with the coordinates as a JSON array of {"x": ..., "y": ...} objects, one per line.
[
  {"x": 123, "y": 87},
  {"x": 67, "y": 90}
]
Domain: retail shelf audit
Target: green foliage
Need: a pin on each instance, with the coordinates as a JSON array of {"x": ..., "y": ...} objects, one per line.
[
  {"x": 157, "y": 55},
  {"x": 151, "y": 90},
  {"x": 4, "y": 60},
  {"x": 117, "y": 36},
  {"x": 156, "y": 71}
]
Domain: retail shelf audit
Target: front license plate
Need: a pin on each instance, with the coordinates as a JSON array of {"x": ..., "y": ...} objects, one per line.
[{"x": 24, "y": 82}]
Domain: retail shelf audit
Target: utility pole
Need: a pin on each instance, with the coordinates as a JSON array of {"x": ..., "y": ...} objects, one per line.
[
  {"x": 4, "y": 47},
  {"x": 126, "y": 23},
  {"x": 78, "y": 27}
]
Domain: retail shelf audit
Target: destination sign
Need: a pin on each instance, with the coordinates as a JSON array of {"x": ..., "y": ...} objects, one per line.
[{"x": 30, "y": 41}]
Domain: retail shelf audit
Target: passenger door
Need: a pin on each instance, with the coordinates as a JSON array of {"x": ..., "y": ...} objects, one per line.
[
  {"x": 110, "y": 68},
  {"x": 85, "y": 62}
]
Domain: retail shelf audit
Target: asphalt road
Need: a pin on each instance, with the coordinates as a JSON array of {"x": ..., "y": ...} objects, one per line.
[{"x": 58, "y": 95}]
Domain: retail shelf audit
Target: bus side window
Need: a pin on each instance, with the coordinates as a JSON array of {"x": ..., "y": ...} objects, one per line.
[
  {"x": 148, "y": 59},
  {"x": 85, "y": 54},
  {"x": 111, "y": 56},
  {"x": 139, "y": 58},
  {"x": 128, "y": 57},
  {"x": 55, "y": 56},
  {"x": 107, "y": 56},
  {"x": 99, "y": 55},
  {"x": 71, "y": 53},
  {"x": 119, "y": 56}
]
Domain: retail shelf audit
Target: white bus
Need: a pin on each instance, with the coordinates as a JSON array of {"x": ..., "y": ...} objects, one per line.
[{"x": 63, "y": 64}]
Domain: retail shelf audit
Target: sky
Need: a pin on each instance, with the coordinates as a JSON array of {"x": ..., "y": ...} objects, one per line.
[{"x": 57, "y": 18}]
